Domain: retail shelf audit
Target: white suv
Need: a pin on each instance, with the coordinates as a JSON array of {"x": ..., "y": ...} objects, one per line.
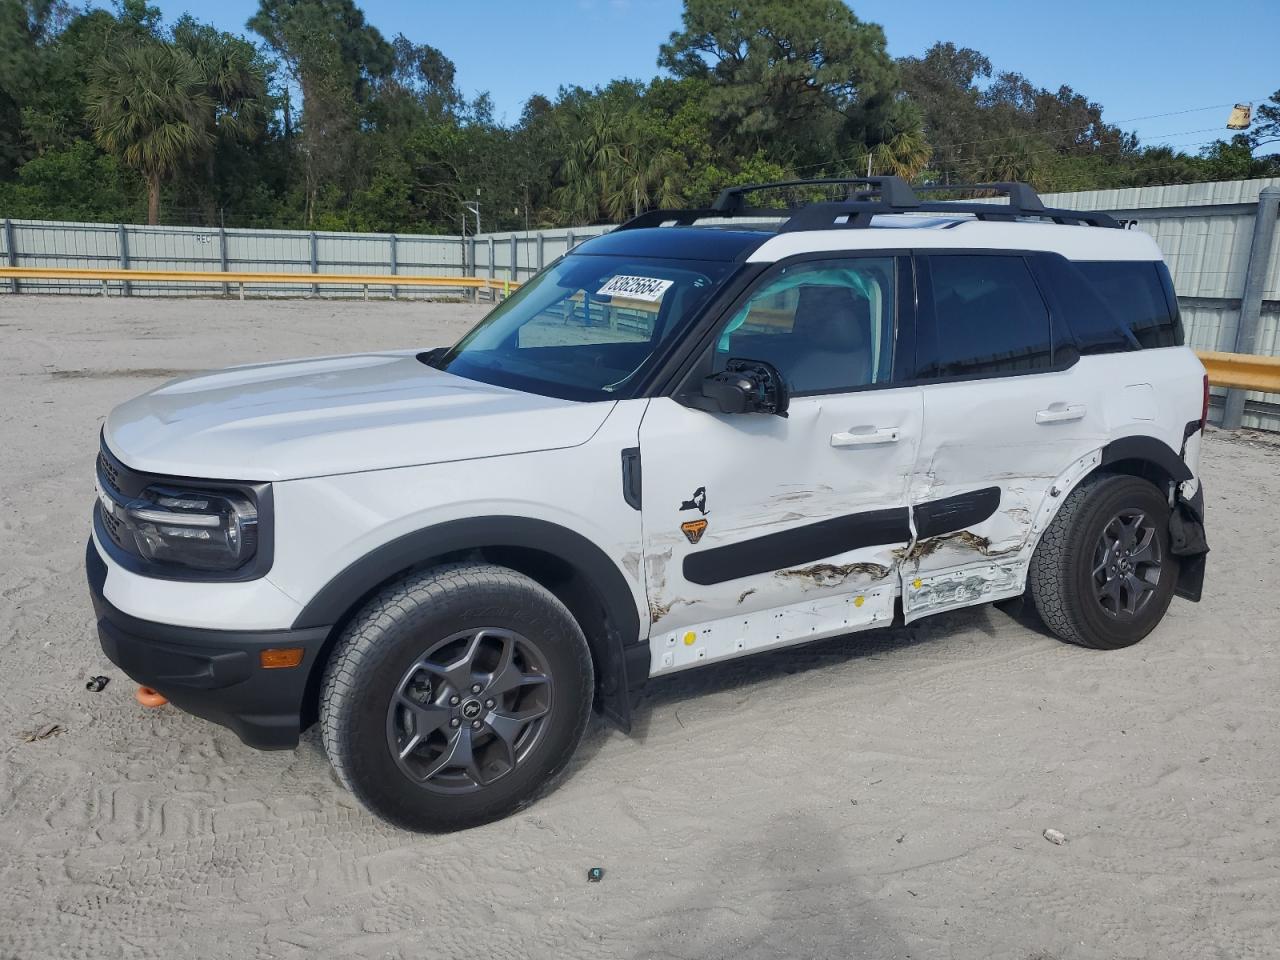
[{"x": 676, "y": 445}]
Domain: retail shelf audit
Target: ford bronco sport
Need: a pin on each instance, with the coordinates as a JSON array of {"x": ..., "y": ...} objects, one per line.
[{"x": 685, "y": 441}]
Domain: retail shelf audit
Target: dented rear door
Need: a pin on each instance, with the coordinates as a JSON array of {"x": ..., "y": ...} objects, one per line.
[{"x": 1007, "y": 409}]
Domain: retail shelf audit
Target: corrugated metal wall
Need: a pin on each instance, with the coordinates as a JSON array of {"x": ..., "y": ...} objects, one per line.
[{"x": 1204, "y": 229}]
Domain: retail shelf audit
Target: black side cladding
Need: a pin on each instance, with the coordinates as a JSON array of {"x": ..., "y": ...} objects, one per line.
[
  {"x": 817, "y": 541},
  {"x": 950, "y": 514},
  {"x": 787, "y": 548}
]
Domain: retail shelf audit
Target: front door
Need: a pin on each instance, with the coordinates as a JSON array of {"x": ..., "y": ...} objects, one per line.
[{"x": 760, "y": 531}]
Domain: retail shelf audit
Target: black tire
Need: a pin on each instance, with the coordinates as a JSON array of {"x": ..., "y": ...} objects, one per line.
[
  {"x": 1080, "y": 587},
  {"x": 485, "y": 611}
]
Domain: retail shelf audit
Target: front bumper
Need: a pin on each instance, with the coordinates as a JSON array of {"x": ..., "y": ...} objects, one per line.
[{"x": 213, "y": 674}]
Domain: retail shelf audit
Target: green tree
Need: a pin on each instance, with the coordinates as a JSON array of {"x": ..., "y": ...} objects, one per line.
[
  {"x": 336, "y": 59},
  {"x": 235, "y": 80},
  {"x": 777, "y": 67},
  {"x": 149, "y": 108}
]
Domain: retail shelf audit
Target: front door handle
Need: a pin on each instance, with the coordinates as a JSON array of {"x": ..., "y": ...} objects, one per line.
[
  {"x": 1061, "y": 413},
  {"x": 865, "y": 436}
]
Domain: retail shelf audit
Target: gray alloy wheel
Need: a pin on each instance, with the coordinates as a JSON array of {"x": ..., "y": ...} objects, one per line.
[
  {"x": 469, "y": 710},
  {"x": 1127, "y": 564},
  {"x": 455, "y": 696},
  {"x": 1102, "y": 575}
]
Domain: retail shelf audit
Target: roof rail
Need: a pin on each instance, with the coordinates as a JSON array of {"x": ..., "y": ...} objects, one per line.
[
  {"x": 891, "y": 190},
  {"x": 858, "y": 208},
  {"x": 1021, "y": 195}
]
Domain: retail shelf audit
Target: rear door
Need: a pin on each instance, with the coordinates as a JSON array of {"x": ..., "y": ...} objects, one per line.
[
  {"x": 1006, "y": 410},
  {"x": 764, "y": 530}
]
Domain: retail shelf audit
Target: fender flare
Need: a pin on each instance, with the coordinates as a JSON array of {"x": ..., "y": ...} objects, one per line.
[
  {"x": 622, "y": 654},
  {"x": 1149, "y": 449}
]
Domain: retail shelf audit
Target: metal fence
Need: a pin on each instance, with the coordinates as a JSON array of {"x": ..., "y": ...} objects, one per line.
[
  {"x": 47, "y": 243},
  {"x": 1206, "y": 230}
]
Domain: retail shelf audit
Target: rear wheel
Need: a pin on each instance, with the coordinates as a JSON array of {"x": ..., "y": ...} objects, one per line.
[
  {"x": 455, "y": 695},
  {"x": 1102, "y": 575}
]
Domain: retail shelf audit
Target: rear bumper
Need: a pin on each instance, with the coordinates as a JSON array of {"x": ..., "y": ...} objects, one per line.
[{"x": 212, "y": 674}]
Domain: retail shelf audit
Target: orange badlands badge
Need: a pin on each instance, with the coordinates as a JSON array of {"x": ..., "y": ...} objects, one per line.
[{"x": 693, "y": 529}]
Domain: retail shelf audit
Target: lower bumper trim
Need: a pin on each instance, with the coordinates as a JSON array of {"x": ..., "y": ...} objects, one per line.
[{"x": 212, "y": 674}]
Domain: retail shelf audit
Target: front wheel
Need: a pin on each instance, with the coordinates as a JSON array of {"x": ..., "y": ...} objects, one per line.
[
  {"x": 455, "y": 695},
  {"x": 1102, "y": 575}
]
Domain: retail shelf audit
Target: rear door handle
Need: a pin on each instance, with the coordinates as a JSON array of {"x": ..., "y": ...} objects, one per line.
[
  {"x": 865, "y": 436},
  {"x": 1061, "y": 413}
]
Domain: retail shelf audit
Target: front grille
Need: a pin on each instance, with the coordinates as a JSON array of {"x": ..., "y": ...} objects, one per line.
[
  {"x": 108, "y": 469},
  {"x": 122, "y": 485},
  {"x": 115, "y": 530}
]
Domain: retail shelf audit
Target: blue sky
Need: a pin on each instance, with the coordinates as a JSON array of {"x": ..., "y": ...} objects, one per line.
[{"x": 1137, "y": 58}]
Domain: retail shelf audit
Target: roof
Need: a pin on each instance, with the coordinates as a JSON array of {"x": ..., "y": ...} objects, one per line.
[{"x": 677, "y": 243}]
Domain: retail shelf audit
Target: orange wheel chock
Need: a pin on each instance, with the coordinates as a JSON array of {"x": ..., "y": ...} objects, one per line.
[{"x": 150, "y": 698}]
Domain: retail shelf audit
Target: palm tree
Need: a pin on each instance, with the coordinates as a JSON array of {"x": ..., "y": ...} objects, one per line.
[
  {"x": 609, "y": 170},
  {"x": 235, "y": 84},
  {"x": 149, "y": 106},
  {"x": 591, "y": 160},
  {"x": 641, "y": 179}
]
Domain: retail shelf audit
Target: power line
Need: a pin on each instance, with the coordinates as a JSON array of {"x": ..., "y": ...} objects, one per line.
[{"x": 1014, "y": 136}]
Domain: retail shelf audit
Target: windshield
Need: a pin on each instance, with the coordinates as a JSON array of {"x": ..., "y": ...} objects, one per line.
[{"x": 585, "y": 328}]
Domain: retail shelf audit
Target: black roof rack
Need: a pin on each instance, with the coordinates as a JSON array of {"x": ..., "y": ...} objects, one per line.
[{"x": 883, "y": 195}]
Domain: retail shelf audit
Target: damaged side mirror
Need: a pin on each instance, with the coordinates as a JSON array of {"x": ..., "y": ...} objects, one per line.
[{"x": 745, "y": 386}]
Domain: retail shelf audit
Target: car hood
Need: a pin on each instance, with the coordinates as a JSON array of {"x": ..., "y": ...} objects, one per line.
[{"x": 331, "y": 415}]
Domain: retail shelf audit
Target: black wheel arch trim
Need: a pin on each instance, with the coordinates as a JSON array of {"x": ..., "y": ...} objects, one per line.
[
  {"x": 1186, "y": 521},
  {"x": 622, "y": 650},
  {"x": 1149, "y": 449}
]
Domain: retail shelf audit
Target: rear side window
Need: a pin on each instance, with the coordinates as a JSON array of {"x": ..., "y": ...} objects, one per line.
[
  {"x": 989, "y": 318},
  {"x": 1135, "y": 291}
]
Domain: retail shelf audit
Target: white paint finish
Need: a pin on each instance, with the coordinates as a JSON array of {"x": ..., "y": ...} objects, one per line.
[
  {"x": 734, "y": 636},
  {"x": 1074, "y": 243},
  {"x": 252, "y": 605},
  {"x": 1140, "y": 401},
  {"x": 323, "y": 524},
  {"x": 985, "y": 433},
  {"x": 976, "y": 579},
  {"x": 764, "y": 475},
  {"x": 335, "y": 415},
  {"x": 326, "y": 523}
]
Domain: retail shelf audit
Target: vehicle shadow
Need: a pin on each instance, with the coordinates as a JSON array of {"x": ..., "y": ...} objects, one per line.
[{"x": 788, "y": 889}]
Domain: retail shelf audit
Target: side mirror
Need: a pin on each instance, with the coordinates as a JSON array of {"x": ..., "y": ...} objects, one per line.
[{"x": 746, "y": 386}]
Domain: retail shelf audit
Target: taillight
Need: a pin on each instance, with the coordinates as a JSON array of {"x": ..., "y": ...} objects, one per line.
[{"x": 1204, "y": 408}]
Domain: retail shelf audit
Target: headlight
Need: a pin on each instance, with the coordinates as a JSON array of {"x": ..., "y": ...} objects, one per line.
[
  {"x": 182, "y": 529},
  {"x": 196, "y": 528}
]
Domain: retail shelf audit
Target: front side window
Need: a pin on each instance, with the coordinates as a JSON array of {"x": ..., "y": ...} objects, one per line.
[
  {"x": 587, "y": 327},
  {"x": 826, "y": 325},
  {"x": 989, "y": 317}
]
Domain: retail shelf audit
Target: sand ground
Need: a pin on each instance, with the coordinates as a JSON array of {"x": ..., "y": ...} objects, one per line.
[{"x": 878, "y": 796}]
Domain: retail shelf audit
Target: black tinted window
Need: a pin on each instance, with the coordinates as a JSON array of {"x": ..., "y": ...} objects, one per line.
[
  {"x": 1135, "y": 292},
  {"x": 989, "y": 317},
  {"x": 1094, "y": 323}
]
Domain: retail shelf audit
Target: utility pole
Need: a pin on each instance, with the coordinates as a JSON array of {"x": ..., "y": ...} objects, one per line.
[{"x": 473, "y": 206}]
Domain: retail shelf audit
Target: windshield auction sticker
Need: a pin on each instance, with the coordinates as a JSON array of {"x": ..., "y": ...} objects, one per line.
[{"x": 647, "y": 289}]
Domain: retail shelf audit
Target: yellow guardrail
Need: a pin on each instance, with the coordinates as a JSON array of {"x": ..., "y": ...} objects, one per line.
[
  {"x": 242, "y": 278},
  {"x": 1245, "y": 371}
]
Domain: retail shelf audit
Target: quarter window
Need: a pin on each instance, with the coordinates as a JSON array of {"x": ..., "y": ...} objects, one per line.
[
  {"x": 1135, "y": 292},
  {"x": 826, "y": 325},
  {"x": 989, "y": 317}
]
